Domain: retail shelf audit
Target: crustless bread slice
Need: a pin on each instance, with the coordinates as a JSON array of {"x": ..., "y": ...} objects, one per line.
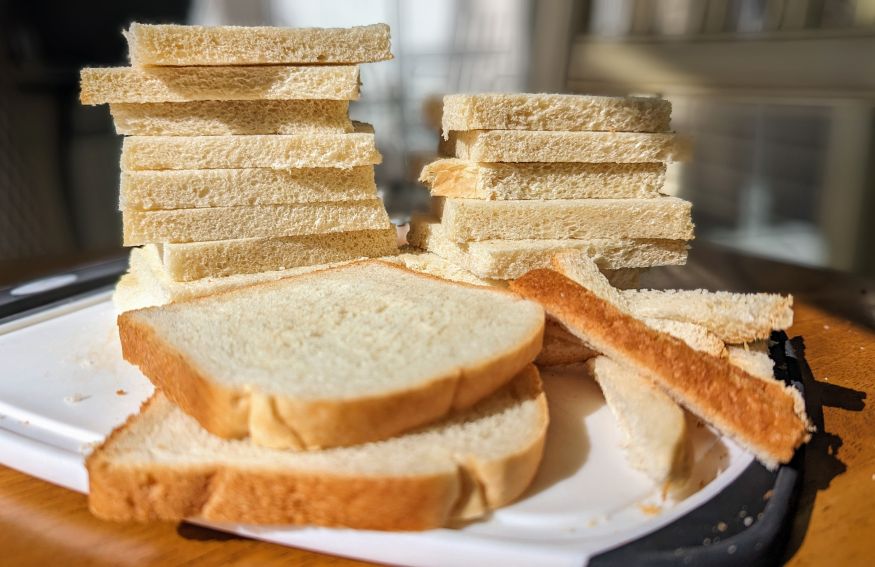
[
  {"x": 200, "y": 188},
  {"x": 234, "y": 152},
  {"x": 525, "y": 181},
  {"x": 464, "y": 220},
  {"x": 161, "y": 465},
  {"x": 335, "y": 357},
  {"x": 518, "y": 111},
  {"x": 169, "y": 44},
  {"x": 259, "y": 221},
  {"x": 550, "y": 147},
  {"x": 183, "y": 84},
  {"x": 231, "y": 117},
  {"x": 765, "y": 417}
]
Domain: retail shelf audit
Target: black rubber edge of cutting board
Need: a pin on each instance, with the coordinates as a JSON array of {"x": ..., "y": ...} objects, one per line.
[
  {"x": 50, "y": 291},
  {"x": 719, "y": 533}
]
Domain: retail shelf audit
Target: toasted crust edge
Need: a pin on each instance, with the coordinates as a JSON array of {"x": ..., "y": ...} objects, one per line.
[
  {"x": 280, "y": 422},
  {"x": 383, "y": 503},
  {"x": 670, "y": 363}
]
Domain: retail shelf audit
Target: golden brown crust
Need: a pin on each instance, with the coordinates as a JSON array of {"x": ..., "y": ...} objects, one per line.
[
  {"x": 312, "y": 424},
  {"x": 760, "y": 415},
  {"x": 230, "y": 493}
]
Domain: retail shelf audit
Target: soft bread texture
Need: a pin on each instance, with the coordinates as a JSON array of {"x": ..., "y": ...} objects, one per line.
[
  {"x": 234, "y": 152},
  {"x": 497, "y": 111},
  {"x": 697, "y": 337},
  {"x": 183, "y": 84},
  {"x": 734, "y": 317},
  {"x": 169, "y": 44},
  {"x": 653, "y": 426},
  {"x": 550, "y": 147},
  {"x": 335, "y": 357},
  {"x": 221, "y": 118},
  {"x": 198, "y": 188},
  {"x": 561, "y": 347},
  {"x": 765, "y": 417},
  {"x": 434, "y": 265},
  {"x": 753, "y": 359},
  {"x": 219, "y": 258},
  {"x": 259, "y": 221},
  {"x": 522, "y": 181},
  {"x": 470, "y": 219},
  {"x": 161, "y": 465},
  {"x": 508, "y": 259}
]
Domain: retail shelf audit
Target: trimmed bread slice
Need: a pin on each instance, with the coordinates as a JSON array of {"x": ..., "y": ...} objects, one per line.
[
  {"x": 765, "y": 417},
  {"x": 259, "y": 221},
  {"x": 561, "y": 347},
  {"x": 470, "y": 219},
  {"x": 753, "y": 359},
  {"x": 231, "y": 117},
  {"x": 199, "y": 188},
  {"x": 550, "y": 147},
  {"x": 508, "y": 259},
  {"x": 734, "y": 317},
  {"x": 219, "y": 258},
  {"x": 234, "y": 152},
  {"x": 336, "y": 357},
  {"x": 183, "y": 84},
  {"x": 161, "y": 465},
  {"x": 523, "y": 181},
  {"x": 171, "y": 44},
  {"x": 148, "y": 284},
  {"x": 499, "y": 111},
  {"x": 654, "y": 427}
]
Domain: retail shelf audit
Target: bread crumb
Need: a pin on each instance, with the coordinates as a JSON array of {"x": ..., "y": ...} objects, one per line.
[
  {"x": 826, "y": 327},
  {"x": 767, "y": 495},
  {"x": 120, "y": 392},
  {"x": 706, "y": 541},
  {"x": 75, "y": 398},
  {"x": 721, "y": 526},
  {"x": 748, "y": 520},
  {"x": 650, "y": 509},
  {"x": 731, "y": 549}
]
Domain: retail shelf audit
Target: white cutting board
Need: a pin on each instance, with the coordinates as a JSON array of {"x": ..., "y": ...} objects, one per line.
[{"x": 65, "y": 387}]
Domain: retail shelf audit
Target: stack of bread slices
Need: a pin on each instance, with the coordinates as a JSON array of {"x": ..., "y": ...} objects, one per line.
[{"x": 240, "y": 162}]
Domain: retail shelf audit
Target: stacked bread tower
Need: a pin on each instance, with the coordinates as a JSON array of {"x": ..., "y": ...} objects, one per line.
[
  {"x": 530, "y": 175},
  {"x": 239, "y": 156}
]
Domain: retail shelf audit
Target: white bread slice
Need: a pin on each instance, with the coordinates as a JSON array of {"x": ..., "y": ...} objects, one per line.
[
  {"x": 170, "y": 44},
  {"x": 521, "y": 181},
  {"x": 734, "y": 317},
  {"x": 765, "y": 417},
  {"x": 550, "y": 147},
  {"x": 219, "y": 258},
  {"x": 508, "y": 259},
  {"x": 470, "y": 219},
  {"x": 234, "y": 152},
  {"x": 259, "y": 221},
  {"x": 653, "y": 426},
  {"x": 183, "y": 84},
  {"x": 198, "y": 188},
  {"x": 231, "y": 117},
  {"x": 335, "y": 357},
  {"x": 434, "y": 265},
  {"x": 161, "y": 465},
  {"x": 500, "y": 111}
]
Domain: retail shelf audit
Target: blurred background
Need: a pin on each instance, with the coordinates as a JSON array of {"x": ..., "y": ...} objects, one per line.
[{"x": 776, "y": 96}]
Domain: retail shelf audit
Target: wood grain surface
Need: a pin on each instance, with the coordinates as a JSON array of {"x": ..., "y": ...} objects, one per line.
[{"x": 42, "y": 524}]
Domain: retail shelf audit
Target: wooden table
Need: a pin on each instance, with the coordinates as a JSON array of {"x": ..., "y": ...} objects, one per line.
[{"x": 43, "y": 524}]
